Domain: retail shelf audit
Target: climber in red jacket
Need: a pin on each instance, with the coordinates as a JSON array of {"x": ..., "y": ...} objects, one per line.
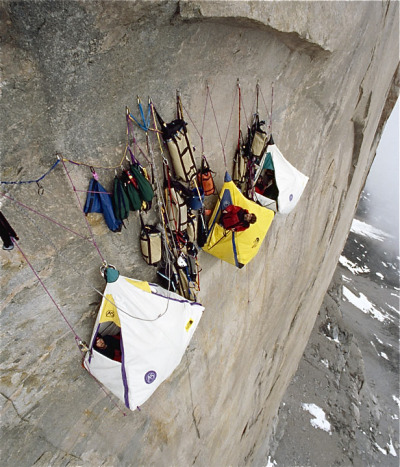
[{"x": 236, "y": 218}]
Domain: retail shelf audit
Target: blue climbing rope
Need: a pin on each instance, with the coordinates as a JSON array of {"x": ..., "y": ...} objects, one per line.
[{"x": 20, "y": 182}]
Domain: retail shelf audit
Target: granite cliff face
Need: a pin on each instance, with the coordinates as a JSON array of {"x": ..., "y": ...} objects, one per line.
[{"x": 69, "y": 70}]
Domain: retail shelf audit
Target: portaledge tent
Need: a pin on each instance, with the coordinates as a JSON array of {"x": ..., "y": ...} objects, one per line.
[
  {"x": 237, "y": 248},
  {"x": 289, "y": 180},
  {"x": 156, "y": 327}
]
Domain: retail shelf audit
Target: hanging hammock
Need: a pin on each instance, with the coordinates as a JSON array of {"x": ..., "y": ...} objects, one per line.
[{"x": 153, "y": 327}]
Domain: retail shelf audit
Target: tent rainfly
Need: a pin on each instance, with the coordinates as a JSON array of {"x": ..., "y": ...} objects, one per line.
[
  {"x": 237, "y": 248},
  {"x": 154, "y": 326},
  {"x": 290, "y": 182}
]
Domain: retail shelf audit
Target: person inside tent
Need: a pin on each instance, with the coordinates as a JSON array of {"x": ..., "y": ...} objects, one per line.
[
  {"x": 236, "y": 218},
  {"x": 109, "y": 346},
  {"x": 266, "y": 185}
]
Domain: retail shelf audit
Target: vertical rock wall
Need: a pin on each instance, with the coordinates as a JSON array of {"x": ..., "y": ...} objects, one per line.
[{"x": 69, "y": 70}]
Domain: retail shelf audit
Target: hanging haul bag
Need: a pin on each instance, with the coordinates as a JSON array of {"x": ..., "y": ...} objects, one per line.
[
  {"x": 259, "y": 143},
  {"x": 176, "y": 210},
  {"x": 239, "y": 169},
  {"x": 181, "y": 152},
  {"x": 150, "y": 243},
  {"x": 205, "y": 178},
  {"x": 176, "y": 136}
]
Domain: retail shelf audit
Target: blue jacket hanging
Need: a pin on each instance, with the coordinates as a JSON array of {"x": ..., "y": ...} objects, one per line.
[{"x": 98, "y": 200}]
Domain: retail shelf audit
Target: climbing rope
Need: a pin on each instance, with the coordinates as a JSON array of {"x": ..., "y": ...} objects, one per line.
[
  {"x": 230, "y": 117},
  {"x": 269, "y": 114},
  {"x": 78, "y": 340},
  {"x": 37, "y": 180},
  {"x": 8, "y": 196},
  {"x": 216, "y": 123},
  {"x": 82, "y": 211}
]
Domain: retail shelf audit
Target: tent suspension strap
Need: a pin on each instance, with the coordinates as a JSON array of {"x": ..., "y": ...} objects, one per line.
[
  {"x": 269, "y": 114},
  {"x": 216, "y": 123},
  {"x": 240, "y": 100},
  {"x": 81, "y": 209},
  {"x": 241, "y": 104},
  {"x": 230, "y": 117},
  {"x": 82, "y": 346},
  {"x": 180, "y": 114},
  {"x": 202, "y": 125},
  {"x": 194, "y": 126}
]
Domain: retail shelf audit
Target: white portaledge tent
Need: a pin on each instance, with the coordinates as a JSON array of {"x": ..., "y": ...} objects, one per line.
[
  {"x": 289, "y": 180},
  {"x": 155, "y": 328}
]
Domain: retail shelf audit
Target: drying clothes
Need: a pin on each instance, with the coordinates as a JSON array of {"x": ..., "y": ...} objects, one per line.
[
  {"x": 98, "y": 200},
  {"x": 7, "y": 233}
]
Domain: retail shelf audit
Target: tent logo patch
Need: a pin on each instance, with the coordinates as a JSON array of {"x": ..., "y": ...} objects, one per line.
[
  {"x": 110, "y": 314},
  {"x": 150, "y": 377}
]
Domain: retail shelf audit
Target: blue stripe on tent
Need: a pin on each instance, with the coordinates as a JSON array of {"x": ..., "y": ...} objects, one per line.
[
  {"x": 234, "y": 249},
  {"x": 226, "y": 200},
  {"x": 227, "y": 177},
  {"x": 123, "y": 372}
]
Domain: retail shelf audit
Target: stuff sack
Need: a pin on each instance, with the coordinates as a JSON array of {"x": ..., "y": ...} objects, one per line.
[
  {"x": 239, "y": 169},
  {"x": 205, "y": 178}
]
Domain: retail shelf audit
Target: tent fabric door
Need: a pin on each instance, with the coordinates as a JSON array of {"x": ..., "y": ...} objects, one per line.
[{"x": 290, "y": 182}]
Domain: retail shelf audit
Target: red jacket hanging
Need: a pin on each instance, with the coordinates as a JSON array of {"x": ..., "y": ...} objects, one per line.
[{"x": 232, "y": 218}]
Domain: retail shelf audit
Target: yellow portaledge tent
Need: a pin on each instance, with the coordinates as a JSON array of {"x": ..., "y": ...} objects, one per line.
[{"x": 237, "y": 248}]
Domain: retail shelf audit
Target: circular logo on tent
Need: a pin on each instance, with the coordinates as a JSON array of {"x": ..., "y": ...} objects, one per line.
[
  {"x": 150, "y": 377},
  {"x": 290, "y": 197}
]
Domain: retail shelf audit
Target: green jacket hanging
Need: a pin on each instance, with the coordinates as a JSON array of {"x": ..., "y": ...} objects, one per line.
[
  {"x": 146, "y": 192},
  {"x": 120, "y": 200}
]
